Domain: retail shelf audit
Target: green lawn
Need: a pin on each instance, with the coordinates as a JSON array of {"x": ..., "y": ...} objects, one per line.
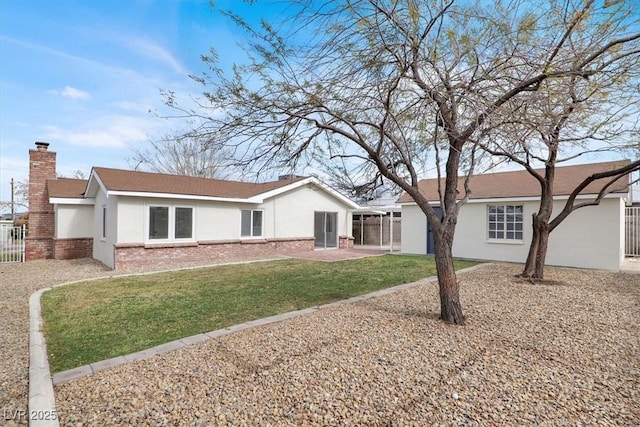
[{"x": 97, "y": 320}]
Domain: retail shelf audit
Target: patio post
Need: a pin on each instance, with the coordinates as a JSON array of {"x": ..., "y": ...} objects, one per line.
[{"x": 391, "y": 231}]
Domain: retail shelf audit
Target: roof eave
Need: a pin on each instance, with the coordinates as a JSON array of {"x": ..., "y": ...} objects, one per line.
[
  {"x": 259, "y": 198},
  {"x": 527, "y": 198},
  {"x": 180, "y": 196},
  {"x": 94, "y": 178},
  {"x": 71, "y": 201}
]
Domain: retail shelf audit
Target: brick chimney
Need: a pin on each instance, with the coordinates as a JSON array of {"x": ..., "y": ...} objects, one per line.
[{"x": 42, "y": 166}]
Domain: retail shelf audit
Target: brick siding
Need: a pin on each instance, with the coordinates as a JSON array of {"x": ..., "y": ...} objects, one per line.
[
  {"x": 345, "y": 242},
  {"x": 139, "y": 255},
  {"x": 72, "y": 248},
  {"x": 38, "y": 248}
]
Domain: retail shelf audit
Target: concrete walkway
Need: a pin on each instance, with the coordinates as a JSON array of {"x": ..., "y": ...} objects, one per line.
[
  {"x": 332, "y": 255},
  {"x": 631, "y": 265}
]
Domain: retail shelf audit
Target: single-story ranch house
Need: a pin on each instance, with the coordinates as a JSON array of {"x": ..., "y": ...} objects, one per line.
[
  {"x": 496, "y": 223},
  {"x": 128, "y": 218}
]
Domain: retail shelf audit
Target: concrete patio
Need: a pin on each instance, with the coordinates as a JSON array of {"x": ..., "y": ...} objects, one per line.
[{"x": 631, "y": 265}]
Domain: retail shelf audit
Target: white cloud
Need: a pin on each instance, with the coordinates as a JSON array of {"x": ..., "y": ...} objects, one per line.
[
  {"x": 133, "y": 106},
  {"x": 71, "y": 92},
  {"x": 105, "y": 132},
  {"x": 155, "y": 51},
  {"x": 150, "y": 49},
  {"x": 127, "y": 74}
]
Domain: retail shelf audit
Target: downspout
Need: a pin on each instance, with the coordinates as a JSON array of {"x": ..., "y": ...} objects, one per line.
[{"x": 391, "y": 232}]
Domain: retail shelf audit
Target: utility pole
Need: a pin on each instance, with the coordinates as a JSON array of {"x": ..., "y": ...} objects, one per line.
[{"x": 13, "y": 208}]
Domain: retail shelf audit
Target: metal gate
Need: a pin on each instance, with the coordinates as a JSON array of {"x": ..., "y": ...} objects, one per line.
[
  {"x": 632, "y": 232},
  {"x": 12, "y": 247}
]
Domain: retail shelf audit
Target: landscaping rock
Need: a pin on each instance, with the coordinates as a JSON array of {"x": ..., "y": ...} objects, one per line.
[{"x": 563, "y": 353}]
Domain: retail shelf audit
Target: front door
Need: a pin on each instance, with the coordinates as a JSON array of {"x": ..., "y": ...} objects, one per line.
[{"x": 325, "y": 229}]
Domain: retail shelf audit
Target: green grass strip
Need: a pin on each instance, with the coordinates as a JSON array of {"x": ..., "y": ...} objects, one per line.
[{"x": 97, "y": 320}]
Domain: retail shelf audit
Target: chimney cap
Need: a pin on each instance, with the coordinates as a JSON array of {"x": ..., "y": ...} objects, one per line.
[{"x": 42, "y": 146}]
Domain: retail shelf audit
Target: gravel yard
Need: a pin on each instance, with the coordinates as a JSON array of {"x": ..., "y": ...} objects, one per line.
[
  {"x": 566, "y": 353},
  {"x": 17, "y": 282}
]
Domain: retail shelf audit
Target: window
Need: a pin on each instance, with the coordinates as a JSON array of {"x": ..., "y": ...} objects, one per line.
[
  {"x": 104, "y": 222},
  {"x": 170, "y": 222},
  {"x": 159, "y": 222},
  {"x": 251, "y": 223},
  {"x": 505, "y": 222},
  {"x": 184, "y": 223}
]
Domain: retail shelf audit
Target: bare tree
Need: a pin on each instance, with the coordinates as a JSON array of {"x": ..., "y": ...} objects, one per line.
[
  {"x": 76, "y": 174},
  {"x": 19, "y": 198},
  {"x": 568, "y": 118},
  {"x": 357, "y": 184},
  {"x": 379, "y": 83},
  {"x": 181, "y": 154}
]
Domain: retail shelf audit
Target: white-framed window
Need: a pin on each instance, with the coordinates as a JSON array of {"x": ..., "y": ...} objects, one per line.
[
  {"x": 505, "y": 222},
  {"x": 183, "y": 223},
  {"x": 104, "y": 222},
  {"x": 251, "y": 223},
  {"x": 168, "y": 222}
]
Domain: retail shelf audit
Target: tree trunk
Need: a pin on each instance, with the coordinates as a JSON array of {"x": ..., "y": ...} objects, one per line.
[
  {"x": 541, "y": 254},
  {"x": 529, "y": 267},
  {"x": 534, "y": 268},
  {"x": 450, "y": 307}
]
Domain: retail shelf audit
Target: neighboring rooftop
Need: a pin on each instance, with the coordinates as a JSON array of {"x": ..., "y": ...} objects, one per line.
[{"x": 522, "y": 184}]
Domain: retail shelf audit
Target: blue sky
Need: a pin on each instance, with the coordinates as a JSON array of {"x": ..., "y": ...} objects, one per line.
[{"x": 83, "y": 75}]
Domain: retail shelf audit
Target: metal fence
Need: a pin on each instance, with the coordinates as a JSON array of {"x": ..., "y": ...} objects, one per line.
[
  {"x": 375, "y": 230},
  {"x": 12, "y": 247},
  {"x": 632, "y": 232}
]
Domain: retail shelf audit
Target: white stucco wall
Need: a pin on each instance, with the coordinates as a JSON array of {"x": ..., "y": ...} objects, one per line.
[
  {"x": 471, "y": 240},
  {"x": 286, "y": 215},
  {"x": 219, "y": 220},
  {"x": 73, "y": 221},
  {"x": 292, "y": 214},
  {"x": 590, "y": 237},
  {"x": 130, "y": 220},
  {"x": 414, "y": 230},
  {"x": 213, "y": 220}
]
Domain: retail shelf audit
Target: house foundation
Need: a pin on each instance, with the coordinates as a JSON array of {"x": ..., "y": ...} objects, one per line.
[
  {"x": 138, "y": 256},
  {"x": 72, "y": 248}
]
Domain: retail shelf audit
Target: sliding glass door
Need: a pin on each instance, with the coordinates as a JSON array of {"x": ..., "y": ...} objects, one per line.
[{"x": 325, "y": 227}]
